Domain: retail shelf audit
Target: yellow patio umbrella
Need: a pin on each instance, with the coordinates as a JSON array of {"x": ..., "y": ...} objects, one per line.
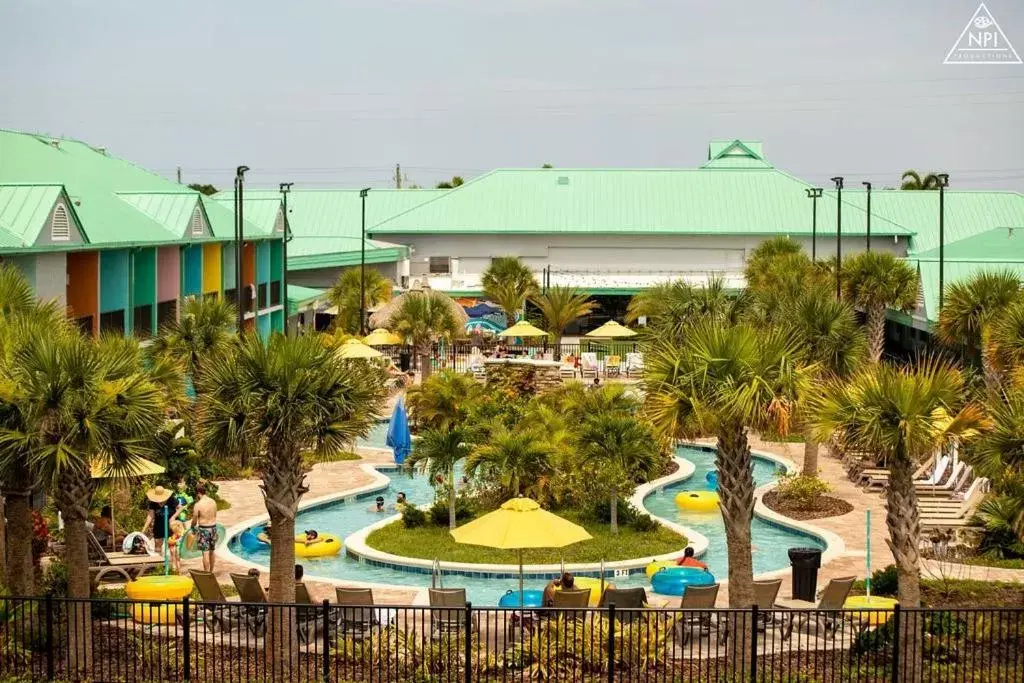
[
  {"x": 523, "y": 329},
  {"x": 518, "y": 524},
  {"x": 354, "y": 348},
  {"x": 382, "y": 337},
  {"x": 103, "y": 468},
  {"x": 611, "y": 330}
]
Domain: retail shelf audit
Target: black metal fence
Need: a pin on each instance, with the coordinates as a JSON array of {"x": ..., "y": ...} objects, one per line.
[
  {"x": 459, "y": 356},
  {"x": 119, "y": 640}
]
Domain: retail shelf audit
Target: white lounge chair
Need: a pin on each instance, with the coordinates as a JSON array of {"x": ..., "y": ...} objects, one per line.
[
  {"x": 634, "y": 364},
  {"x": 588, "y": 364}
]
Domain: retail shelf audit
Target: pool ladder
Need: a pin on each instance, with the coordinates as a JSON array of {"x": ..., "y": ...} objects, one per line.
[{"x": 436, "y": 577}]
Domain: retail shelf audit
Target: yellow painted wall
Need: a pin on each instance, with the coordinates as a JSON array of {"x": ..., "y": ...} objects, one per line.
[{"x": 211, "y": 268}]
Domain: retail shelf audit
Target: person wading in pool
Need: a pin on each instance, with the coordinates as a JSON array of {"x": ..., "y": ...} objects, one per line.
[
  {"x": 378, "y": 505},
  {"x": 204, "y": 524}
]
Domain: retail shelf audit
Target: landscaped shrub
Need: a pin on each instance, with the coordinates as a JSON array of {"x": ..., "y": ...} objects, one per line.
[
  {"x": 801, "y": 491},
  {"x": 439, "y": 511},
  {"x": 413, "y": 517},
  {"x": 55, "y": 579},
  {"x": 885, "y": 581},
  {"x": 600, "y": 510},
  {"x": 643, "y": 523}
]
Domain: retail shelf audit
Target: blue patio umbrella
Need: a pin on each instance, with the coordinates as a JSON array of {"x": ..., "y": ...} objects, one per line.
[{"x": 399, "y": 438}]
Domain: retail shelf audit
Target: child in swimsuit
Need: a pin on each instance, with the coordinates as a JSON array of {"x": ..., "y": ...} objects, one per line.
[{"x": 177, "y": 531}]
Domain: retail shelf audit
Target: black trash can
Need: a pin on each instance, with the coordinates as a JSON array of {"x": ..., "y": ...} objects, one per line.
[
  {"x": 805, "y": 563},
  {"x": 404, "y": 360}
]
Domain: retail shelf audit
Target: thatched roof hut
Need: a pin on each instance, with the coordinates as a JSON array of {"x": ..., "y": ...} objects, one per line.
[{"x": 382, "y": 317}]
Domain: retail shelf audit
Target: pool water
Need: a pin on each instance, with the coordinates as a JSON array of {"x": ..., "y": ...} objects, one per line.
[
  {"x": 343, "y": 518},
  {"x": 377, "y": 436}
]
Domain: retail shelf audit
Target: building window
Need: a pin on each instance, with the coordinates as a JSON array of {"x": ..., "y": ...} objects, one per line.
[
  {"x": 275, "y": 292},
  {"x": 440, "y": 265},
  {"x": 263, "y": 295},
  {"x": 85, "y": 324},
  {"x": 60, "y": 225},
  {"x": 279, "y": 222},
  {"x": 112, "y": 322},
  {"x": 166, "y": 312},
  {"x": 229, "y": 296},
  {"x": 142, "y": 321},
  {"x": 196, "y": 226},
  {"x": 210, "y": 296}
]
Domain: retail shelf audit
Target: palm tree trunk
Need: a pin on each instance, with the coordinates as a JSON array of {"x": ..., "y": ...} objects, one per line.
[
  {"x": 20, "y": 569},
  {"x": 810, "y": 457},
  {"x": 736, "y": 495},
  {"x": 281, "y": 621},
  {"x": 901, "y": 516},
  {"x": 73, "y": 496},
  {"x": 451, "y": 498},
  {"x": 615, "y": 511},
  {"x": 875, "y": 323},
  {"x": 426, "y": 367},
  {"x": 3, "y": 543}
]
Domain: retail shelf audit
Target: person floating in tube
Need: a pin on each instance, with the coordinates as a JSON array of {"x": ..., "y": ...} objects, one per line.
[
  {"x": 312, "y": 537},
  {"x": 688, "y": 560}
]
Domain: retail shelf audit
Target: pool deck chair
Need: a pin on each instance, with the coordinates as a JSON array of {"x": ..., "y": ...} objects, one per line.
[
  {"x": 828, "y": 614},
  {"x": 627, "y": 599},
  {"x": 307, "y": 617},
  {"x": 451, "y": 618},
  {"x": 698, "y": 598},
  {"x": 574, "y": 598},
  {"x": 356, "y": 614},
  {"x": 251, "y": 593},
  {"x": 634, "y": 364},
  {"x": 219, "y": 614},
  {"x": 588, "y": 365},
  {"x": 122, "y": 565},
  {"x": 765, "y": 594},
  {"x": 612, "y": 366}
]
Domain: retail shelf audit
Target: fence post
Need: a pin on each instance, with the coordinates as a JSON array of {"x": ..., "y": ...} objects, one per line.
[
  {"x": 753, "y": 643},
  {"x": 468, "y": 625},
  {"x": 186, "y": 639},
  {"x": 611, "y": 643},
  {"x": 49, "y": 637},
  {"x": 325, "y": 656},
  {"x": 896, "y": 619}
]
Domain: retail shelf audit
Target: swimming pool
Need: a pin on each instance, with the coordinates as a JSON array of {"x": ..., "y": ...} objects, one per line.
[
  {"x": 343, "y": 518},
  {"x": 376, "y": 437}
]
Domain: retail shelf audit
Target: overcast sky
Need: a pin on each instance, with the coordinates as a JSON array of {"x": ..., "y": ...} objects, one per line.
[{"x": 333, "y": 94}]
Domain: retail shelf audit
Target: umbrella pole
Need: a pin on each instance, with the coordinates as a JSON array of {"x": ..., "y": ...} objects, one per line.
[{"x": 522, "y": 594}]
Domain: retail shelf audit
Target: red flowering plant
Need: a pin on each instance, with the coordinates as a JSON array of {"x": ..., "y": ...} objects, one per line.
[{"x": 40, "y": 536}]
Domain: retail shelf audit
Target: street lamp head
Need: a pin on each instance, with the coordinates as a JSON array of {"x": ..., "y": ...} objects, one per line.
[
  {"x": 363, "y": 192},
  {"x": 814, "y": 192},
  {"x": 285, "y": 187},
  {"x": 838, "y": 180},
  {"x": 240, "y": 171},
  {"x": 943, "y": 179},
  {"x": 867, "y": 185}
]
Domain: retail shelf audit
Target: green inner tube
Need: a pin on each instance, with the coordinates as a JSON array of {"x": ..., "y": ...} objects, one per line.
[{"x": 187, "y": 545}]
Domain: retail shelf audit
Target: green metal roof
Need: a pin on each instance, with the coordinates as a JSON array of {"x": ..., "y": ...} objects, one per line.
[
  {"x": 326, "y": 224},
  {"x": 300, "y": 297},
  {"x": 116, "y": 203},
  {"x": 706, "y": 201},
  {"x": 736, "y": 154},
  {"x": 24, "y": 210}
]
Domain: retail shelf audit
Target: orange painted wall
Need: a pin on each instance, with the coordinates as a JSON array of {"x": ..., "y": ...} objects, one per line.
[
  {"x": 83, "y": 288},
  {"x": 249, "y": 263}
]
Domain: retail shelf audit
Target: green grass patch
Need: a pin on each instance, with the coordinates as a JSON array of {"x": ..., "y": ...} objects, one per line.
[
  {"x": 984, "y": 561},
  {"x": 429, "y": 541}
]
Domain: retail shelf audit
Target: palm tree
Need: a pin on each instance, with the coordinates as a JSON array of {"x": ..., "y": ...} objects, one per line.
[
  {"x": 282, "y": 399},
  {"x": 833, "y": 347},
  {"x": 509, "y": 283},
  {"x": 723, "y": 381},
  {"x": 561, "y": 306},
  {"x": 969, "y": 310},
  {"x": 437, "y": 452},
  {"x": 443, "y": 401},
  {"x": 761, "y": 259},
  {"x": 519, "y": 460},
  {"x": 423, "y": 318},
  {"x": 202, "y": 333},
  {"x": 78, "y": 399},
  {"x": 1008, "y": 337},
  {"x": 999, "y": 455},
  {"x": 912, "y": 180},
  {"x": 347, "y": 296},
  {"x": 875, "y": 281},
  {"x": 673, "y": 308},
  {"x": 622, "y": 448},
  {"x": 903, "y": 415}
]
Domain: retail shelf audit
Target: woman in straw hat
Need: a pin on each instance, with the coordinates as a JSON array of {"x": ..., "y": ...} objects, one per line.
[{"x": 162, "y": 506}]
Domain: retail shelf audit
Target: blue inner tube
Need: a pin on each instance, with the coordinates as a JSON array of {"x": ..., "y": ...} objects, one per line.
[
  {"x": 250, "y": 543},
  {"x": 673, "y": 581},
  {"x": 531, "y": 598},
  {"x": 711, "y": 479}
]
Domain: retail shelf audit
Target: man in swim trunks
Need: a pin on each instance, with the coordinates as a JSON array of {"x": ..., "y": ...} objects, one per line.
[{"x": 204, "y": 523}]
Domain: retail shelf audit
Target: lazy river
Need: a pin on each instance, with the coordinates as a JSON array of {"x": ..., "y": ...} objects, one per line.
[{"x": 343, "y": 518}]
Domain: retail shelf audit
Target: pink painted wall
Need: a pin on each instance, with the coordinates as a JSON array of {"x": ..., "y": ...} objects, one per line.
[{"x": 168, "y": 273}]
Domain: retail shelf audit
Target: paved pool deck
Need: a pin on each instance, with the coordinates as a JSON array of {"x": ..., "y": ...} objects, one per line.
[{"x": 338, "y": 477}]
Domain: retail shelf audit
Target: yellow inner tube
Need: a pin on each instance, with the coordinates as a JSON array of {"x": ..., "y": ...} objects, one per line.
[
  {"x": 698, "y": 501},
  {"x": 874, "y": 602},
  {"x": 159, "y": 588},
  {"x": 154, "y": 613},
  {"x": 324, "y": 545},
  {"x": 594, "y": 584},
  {"x": 655, "y": 567}
]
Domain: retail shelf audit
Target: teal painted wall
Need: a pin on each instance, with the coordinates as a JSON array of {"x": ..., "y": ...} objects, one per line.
[
  {"x": 263, "y": 261},
  {"x": 144, "y": 287},
  {"x": 275, "y": 260},
  {"x": 192, "y": 271},
  {"x": 228, "y": 268},
  {"x": 277, "y": 321},
  {"x": 263, "y": 324},
  {"x": 113, "y": 280}
]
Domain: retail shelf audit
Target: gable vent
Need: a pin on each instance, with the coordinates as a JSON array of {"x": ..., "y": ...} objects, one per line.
[
  {"x": 563, "y": 180},
  {"x": 279, "y": 222},
  {"x": 920, "y": 298},
  {"x": 60, "y": 225},
  {"x": 196, "y": 226}
]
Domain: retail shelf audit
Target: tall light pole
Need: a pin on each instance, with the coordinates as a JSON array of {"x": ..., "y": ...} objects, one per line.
[
  {"x": 838, "y": 180},
  {"x": 285, "y": 189},
  {"x": 868, "y": 185},
  {"x": 362, "y": 266},
  {"x": 943, "y": 184},
  {"x": 814, "y": 193},
  {"x": 239, "y": 239}
]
